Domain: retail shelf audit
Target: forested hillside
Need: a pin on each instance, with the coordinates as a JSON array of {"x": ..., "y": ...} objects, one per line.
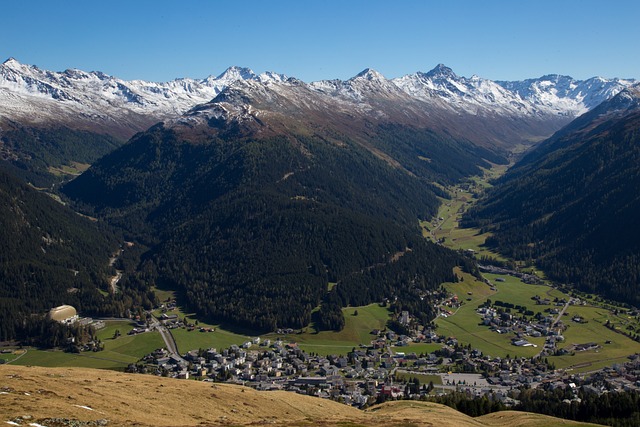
[
  {"x": 252, "y": 228},
  {"x": 33, "y": 153},
  {"x": 572, "y": 204},
  {"x": 49, "y": 256}
]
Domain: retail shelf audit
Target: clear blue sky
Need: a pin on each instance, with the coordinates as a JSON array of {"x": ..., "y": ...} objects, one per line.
[{"x": 160, "y": 40}]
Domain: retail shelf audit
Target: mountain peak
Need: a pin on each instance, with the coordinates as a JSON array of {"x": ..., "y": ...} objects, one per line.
[
  {"x": 627, "y": 98},
  {"x": 369, "y": 74},
  {"x": 14, "y": 64},
  {"x": 441, "y": 70},
  {"x": 237, "y": 73}
]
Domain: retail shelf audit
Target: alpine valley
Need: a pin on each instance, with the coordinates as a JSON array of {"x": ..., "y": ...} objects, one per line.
[
  {"x": 261, "y": 204},
  {"x": 253, "y": 192}
]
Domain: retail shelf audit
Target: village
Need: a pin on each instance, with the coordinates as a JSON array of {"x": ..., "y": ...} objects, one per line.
[{"x": 377, "y": 372}]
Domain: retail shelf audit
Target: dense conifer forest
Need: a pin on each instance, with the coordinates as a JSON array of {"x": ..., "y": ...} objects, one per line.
[
  {"x": 252, "y": 230},
  {"x": 50, "y": 256},
  {"x": 571, "y": 206},
  {"x": 30, "y": 152}
]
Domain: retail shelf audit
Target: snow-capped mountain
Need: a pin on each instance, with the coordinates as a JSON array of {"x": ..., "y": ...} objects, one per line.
[
  {"x": 96, "y": 101},
  {"x": 566, "y": 95}
]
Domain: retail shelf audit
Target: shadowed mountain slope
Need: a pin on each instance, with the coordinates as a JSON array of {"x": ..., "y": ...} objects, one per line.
[{"x": 572, "y": 203}]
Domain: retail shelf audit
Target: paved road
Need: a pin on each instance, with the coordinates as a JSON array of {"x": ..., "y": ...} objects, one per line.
[
  {"x": 557, "y": 319},
  {"x": 168, "y": 339}
]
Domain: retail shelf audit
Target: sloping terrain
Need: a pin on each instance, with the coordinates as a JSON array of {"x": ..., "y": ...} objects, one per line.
[
  {"x": 53, "y": 396},
  {"x": 55, "y": 119},
  {"x": 251, "y": 211},
  {"x": 571, "y": 204},
  {"x": 49, "y": 256}
]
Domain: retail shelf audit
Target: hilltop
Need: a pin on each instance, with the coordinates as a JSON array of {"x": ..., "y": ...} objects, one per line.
[{"x": 95, "y": 397}]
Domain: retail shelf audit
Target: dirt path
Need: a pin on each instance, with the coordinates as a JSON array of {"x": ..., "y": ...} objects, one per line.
[{"x": 19, "y": 356}]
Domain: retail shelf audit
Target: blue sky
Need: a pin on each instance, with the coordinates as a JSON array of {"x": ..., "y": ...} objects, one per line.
[{"x": 161, "y": 40}]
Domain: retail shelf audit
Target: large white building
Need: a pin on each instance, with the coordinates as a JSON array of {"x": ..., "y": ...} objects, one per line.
[{"x": 64, "y": 314}]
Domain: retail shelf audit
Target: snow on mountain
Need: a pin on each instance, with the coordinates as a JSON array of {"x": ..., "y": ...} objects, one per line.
[
  {"x": 30, "y": 94},
  {"x": 565, "y": 95}
]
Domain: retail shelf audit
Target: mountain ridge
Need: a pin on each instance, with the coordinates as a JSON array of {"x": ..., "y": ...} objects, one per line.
[
  {"x": 95, "y": 397},
  {"x": 131, "y": 106}
]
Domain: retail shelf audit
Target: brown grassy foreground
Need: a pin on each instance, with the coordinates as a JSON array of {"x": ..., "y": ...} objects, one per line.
[{"x": 37, "y": 395}]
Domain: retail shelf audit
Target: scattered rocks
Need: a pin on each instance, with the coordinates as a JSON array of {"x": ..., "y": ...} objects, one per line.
[{"x": 66, "y": 422}]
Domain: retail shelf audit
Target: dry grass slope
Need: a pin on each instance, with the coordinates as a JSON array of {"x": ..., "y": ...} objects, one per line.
[{"x": 87, "y": 395}]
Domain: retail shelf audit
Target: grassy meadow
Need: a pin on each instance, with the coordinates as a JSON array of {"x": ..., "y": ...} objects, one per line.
[
  {"x": 117, "y": 354},
  {"x": 357, "y": 331},
  {"x": 465, "y": 324}
]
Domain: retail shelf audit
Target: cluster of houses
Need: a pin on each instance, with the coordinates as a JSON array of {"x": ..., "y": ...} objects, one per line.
[
  {"x": 353, "y": 379},
  {"x": 369, "y": 373},
  {"x": 524, "y": 324},
  {"x": 619, "y": 377},
  {"x": 361, "y": 377}
]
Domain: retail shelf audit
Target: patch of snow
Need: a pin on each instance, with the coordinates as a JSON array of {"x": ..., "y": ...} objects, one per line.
[{"x": 84, "y": 407}]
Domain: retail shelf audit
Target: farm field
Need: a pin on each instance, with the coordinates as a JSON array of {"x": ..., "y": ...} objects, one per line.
[
  {"x": 446, "y": 224},
  {"x": 192, "y": 340}
]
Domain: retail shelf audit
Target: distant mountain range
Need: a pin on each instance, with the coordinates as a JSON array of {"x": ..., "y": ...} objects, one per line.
[{"x": 96, "y": 101}]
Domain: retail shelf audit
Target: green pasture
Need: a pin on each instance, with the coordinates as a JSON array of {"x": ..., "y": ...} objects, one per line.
[
  {"x": 417, "y": 348},
  {"x": 117, "y": 353},
  {"x": 515, "y": 291},
  {"x": 192, "y": 340},
  {"x": 74, "y": 168},
  {"x": 593, "y": 330},
  {"x": 219, "y": 339},
  {"x": 465, "y": 325},
  {"x": 7, "y": 357},
  {"x": 449, "y": 228},
  {"x": 357, "y": 330}
]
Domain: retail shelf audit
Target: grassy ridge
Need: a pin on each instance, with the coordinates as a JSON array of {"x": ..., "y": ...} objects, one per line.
[{"x": 145, "y": 400}]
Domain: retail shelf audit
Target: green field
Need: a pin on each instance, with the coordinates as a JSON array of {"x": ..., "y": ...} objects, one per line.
[
  {"x": 417, "y": 348},
  {"x": 356, "y": 331},
  {"x": 451, "y": 212},
  {"x": 464, "y": 324},
  {"x": 74, "y": 169},
  {"x": 594, "y": 331},
  {"x": 193, "y": 340},
  {"x": 118, "y": 353}
]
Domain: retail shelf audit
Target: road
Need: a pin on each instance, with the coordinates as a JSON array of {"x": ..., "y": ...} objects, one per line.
[
  {"x": 19, "y": 356},
  {"x": 168, "y": 339},
  {"x": 557, "y": 319}
]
